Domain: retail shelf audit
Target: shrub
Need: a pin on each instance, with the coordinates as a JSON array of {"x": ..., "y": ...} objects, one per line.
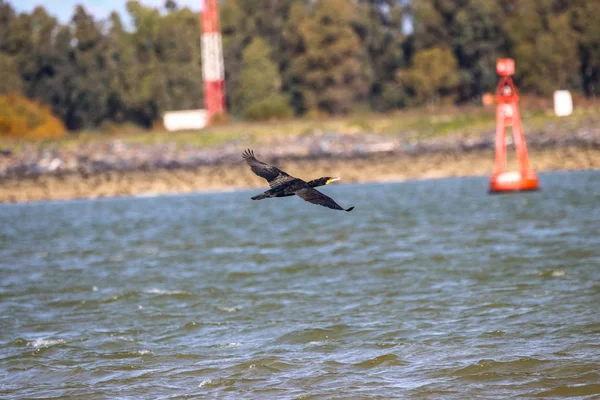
[
  {"x": 220, "y": 118},
  {"x": 25, "y": 118},
  {"x": 274, "y": 107}
]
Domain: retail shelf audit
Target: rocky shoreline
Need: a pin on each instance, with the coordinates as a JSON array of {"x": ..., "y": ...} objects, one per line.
[
  {"x": 121, "y": 156},
  {"x": 379, "y": 167},
  {"x": 117, "y": 167}
]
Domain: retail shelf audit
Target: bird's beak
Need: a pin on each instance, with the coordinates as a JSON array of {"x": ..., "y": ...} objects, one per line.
[{"x": 330, "y": 180}]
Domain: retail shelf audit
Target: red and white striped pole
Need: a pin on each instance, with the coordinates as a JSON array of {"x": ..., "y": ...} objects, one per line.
[{"x": 213, "y": 70}]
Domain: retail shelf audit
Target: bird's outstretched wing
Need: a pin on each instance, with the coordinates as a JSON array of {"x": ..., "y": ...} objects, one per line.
[
  {"x": 273, "y": 175},
  {"x": 314, "y": 196}
]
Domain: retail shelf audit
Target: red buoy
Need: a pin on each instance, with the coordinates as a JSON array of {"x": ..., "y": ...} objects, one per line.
[{"x": 507, "y": 114}]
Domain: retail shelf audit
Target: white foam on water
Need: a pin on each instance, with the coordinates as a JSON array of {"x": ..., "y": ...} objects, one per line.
[
  {"x": 163, "y": 291},
  {"x": 269, "y": 251},
  {"x": 226, "y": 250},
  {"x": 229, "y": 345},
  {"x": 228, "y": 309},
  {"x": 45, "y": 342},
  {"x": 205, "y": 382},
  {"x": 556, "y": 273},
  {"x": 116, "y": 258},
  {"x": 125, "y": 338}
]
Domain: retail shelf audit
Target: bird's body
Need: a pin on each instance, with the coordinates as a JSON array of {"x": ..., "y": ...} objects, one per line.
[{"x": 283, "y": 185}]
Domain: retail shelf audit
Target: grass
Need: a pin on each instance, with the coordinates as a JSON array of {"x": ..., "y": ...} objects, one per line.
[{"x": 414, "y": 125}]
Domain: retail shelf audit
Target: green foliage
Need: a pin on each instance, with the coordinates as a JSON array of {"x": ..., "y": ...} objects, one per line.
[
  {"x": 379, "y": 25},
  {"x": 258, "y": 95},
  {"x": 332, "y": 70},
  {"x": 545, "y": 48},
  {"x": 91, "y": 72},
  {"x": 585, "y": 15},
  {"x": 434, "y": 74},
  {"x": 473, "y": 30},
  {"x": 11, "y": 81},
  {"x": 275, "y": 107},
  {"x": 322, "y": 57}
]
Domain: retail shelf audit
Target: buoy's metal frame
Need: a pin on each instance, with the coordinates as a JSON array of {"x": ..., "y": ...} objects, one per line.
[{"x": 507, "y": 114}]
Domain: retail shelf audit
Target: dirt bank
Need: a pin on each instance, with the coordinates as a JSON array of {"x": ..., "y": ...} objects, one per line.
[{"x": 373, "y": 168}]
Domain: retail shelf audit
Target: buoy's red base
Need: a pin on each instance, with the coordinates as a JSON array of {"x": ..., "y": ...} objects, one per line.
[{"x": 513, "y": 182}]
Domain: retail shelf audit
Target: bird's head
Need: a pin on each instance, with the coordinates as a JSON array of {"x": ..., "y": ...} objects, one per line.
[{"x": 326, "y": 180}]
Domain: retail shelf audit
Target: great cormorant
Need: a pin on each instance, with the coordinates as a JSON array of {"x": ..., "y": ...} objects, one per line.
[{"x": 283, "y": 185}]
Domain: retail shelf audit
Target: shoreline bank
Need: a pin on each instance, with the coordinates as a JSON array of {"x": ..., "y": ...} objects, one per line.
[{"x": 236, "y": 175}]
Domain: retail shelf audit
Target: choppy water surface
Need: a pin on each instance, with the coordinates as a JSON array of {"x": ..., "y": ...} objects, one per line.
[{"x": 426, "y": 290}]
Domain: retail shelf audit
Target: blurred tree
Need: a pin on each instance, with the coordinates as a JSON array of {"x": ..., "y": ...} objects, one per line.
[
  {"x": 545, "y": 47},
  {"x": 480, "y": 41},
  {"x": 11, "y": 78},
  {"x": 171, "y": 6},
  {"x": 7, "y": 16},
  {"x": 123, "y": 69},
  {"x": 268, "y": 20},
  {"x": 473, "y": 30},
  {"x": 15, "y": 31},
  {"x": 433, "y": 22},
  {"x": 179, "y": 52},
  {"x": 585, "y": 17},
  {"x": 433, "y": 75},
  {"x": 90, "y": 84},
  {"x": 61, "y": 86},
  {"x": 292, "y": 36},
  {"x": 258, "y": 95},
  {"x": 149, "y": 90},
  {"x": 43, "y": 67},
  {"x": 243, "y": 20},
  {"x": 325, "y": 55},
  {"x": 332, "y": 71},
  {"x": 379, "y": 25},
  {"x": 160, "y": 61},
  {"x": 22, "y": 117}
]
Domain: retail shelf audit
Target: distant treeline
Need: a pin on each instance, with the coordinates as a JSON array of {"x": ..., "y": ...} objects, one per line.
[{"x": 285, "y": 57}]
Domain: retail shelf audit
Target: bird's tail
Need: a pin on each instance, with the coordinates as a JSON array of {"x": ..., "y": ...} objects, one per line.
[
  {"x": 349, "y": 209},
  {"x": 261, "y": 196}
]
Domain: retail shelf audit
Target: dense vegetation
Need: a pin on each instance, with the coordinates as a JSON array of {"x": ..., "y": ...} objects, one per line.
[
  {"x": 21, "y": 117},
  {"x": 296, "y": 56}
]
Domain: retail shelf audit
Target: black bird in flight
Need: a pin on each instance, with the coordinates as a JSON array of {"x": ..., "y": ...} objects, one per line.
[{"x": 283, "y": 185}]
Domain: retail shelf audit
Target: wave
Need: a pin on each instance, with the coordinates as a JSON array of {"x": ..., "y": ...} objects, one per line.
[
  {"x": 483, "y": 369},
  {"x": 165, "y": 292},
  {"x": 315, "y": 335},
  {"x": 571, "y": 391},
  {"x": 268, "y": 364},
  {"x": 227, "y": 345},
  {"x": 217, "y": 382},
  {"x": 386, "y": 360},
  {"x": 553, "y": 273},
  {"x": 228, "y": 309},
  {"x": 45, "y": 342},
  {"x": 128, "y": 354}
]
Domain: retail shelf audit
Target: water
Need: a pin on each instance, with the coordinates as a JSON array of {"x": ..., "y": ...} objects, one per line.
[{"x": 426, "y": 290}]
